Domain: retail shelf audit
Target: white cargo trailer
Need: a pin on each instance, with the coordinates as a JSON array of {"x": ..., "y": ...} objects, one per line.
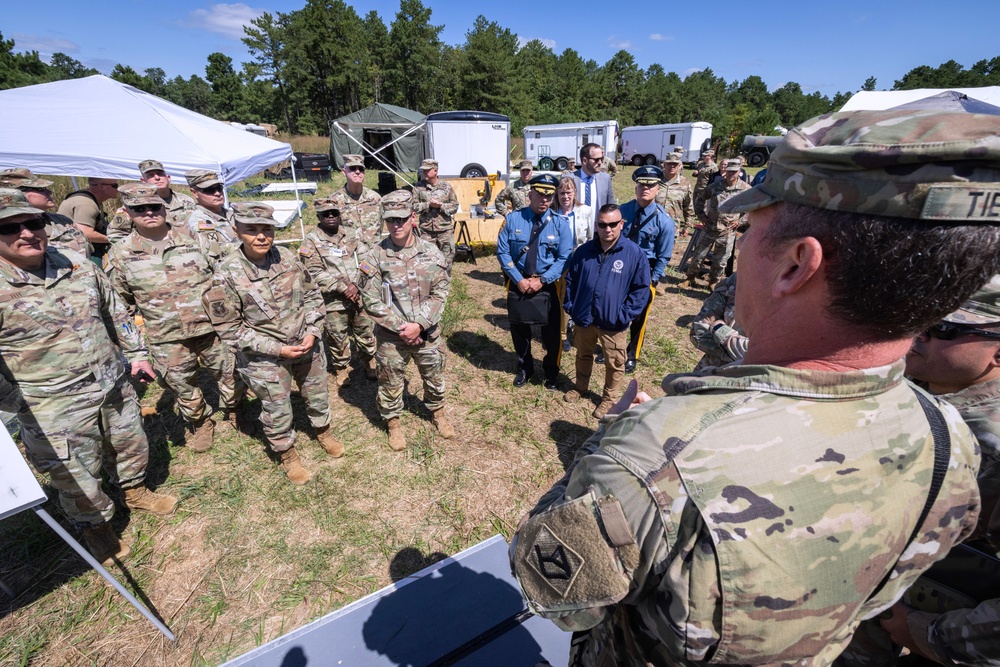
[
  {"x": 550, "y": 147},
  {"x": 468, "y": 144},
  {"x": 649, "y": 144}
]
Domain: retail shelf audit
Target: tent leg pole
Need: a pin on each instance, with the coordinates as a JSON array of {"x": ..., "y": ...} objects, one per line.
[{"x": 298, "y": 205}]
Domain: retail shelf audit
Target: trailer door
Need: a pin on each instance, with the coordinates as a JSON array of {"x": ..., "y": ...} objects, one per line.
[{"x": 670, "y": 138}]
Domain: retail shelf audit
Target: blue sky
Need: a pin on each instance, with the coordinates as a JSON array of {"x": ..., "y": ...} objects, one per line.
[{"x": 828, "y": 46}]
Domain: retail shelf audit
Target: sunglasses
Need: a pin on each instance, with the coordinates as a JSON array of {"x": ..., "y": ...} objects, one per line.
[
  {"x": 355, "y": 168},
  {"x": 211, "y": 190},
  {"x": 329, "y": 214},
  {"x": 146, "y": 208},
  {"x": 951, "y": 331},
  {"x": 44, "y": 191},
  {"x": 11, "y": 228},
  {"x": 609, "y": 225}
]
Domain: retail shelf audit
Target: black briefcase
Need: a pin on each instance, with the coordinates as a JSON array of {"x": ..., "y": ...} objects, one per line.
[{"x": 528, "y": 309}]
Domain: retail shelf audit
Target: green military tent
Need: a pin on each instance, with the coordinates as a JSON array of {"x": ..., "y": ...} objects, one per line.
[{"x": 388, "y": 136}]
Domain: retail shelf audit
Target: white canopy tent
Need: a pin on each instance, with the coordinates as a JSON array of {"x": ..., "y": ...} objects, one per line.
[
  {"x": 96, "y": 126},
  {"x": 878, "y": 100}
]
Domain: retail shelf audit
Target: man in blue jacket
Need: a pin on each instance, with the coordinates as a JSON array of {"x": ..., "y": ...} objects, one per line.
[
  {"x": 607, "y": 286},
  {"x": 649, "y": 226},
  {"x": 532, "y": 249}
]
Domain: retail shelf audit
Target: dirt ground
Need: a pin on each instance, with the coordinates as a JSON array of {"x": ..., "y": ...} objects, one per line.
[{"x": 248, "y": 556}]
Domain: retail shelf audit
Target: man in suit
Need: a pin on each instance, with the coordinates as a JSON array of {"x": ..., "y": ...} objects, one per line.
[{"x": 593, "y": 185}]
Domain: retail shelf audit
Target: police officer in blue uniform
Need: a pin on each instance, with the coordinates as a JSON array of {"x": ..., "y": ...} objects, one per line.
[{"x": 532, "y": 249}]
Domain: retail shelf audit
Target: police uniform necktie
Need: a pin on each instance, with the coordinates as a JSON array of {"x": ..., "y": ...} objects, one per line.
[
  {"x": 531, "y": 256},
  {"x": 633, "y": 232}
]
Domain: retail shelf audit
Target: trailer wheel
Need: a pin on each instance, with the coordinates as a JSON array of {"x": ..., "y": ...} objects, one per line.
[
  {"x": 473, "y": 171},
  {"x": 757, "y": 159},
  {"x": 545, "y": 164},
  {"x": 562, "y": 164},
  {"x": 650, "y": 159},
  {"x": 637, "y": 160}
]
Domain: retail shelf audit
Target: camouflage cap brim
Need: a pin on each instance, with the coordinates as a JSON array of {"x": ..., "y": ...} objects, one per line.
[
  {"x": 748, "y": 200},
  {"x": 34, "y": 183},
  {"x": 983, "y": 307},
  {"x": 11, "y": 211},
  {"x": 254, "y": 220}
]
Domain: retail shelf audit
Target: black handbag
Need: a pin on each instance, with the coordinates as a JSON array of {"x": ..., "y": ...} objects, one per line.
[{"x": 528, "y": 308}]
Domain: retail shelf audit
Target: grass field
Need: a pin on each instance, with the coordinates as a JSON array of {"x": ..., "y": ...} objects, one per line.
[{"x": 248, "y": 556}]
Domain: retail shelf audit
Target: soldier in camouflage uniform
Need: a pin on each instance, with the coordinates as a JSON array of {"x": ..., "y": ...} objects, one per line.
[
  {"x": 269, "y": 309},
  {"x": 756, "y": 513},
  {"x": 718, "y": 238},
  {"x": 675, "y": 194},
  {"x": 703, "y": 172},
  {"x": 332, "y": 253},
  {"x": 61, "y": 325},
  {"x": 435, "y": 203},
  {"x": 609, "y": 166},
  {"x": 957, "y": 360},
  {"x": 514, "y": 197},
  {"x": 178, "y": 206},
  {"x": 714, "y": 330},
  {"x": 404, "y": 287},
  {"x": 360, "y": 207},
  {"x": 211, "y": 223},
  {"x": 63, "y": 234},
  {"x": 160, "y": 272}
]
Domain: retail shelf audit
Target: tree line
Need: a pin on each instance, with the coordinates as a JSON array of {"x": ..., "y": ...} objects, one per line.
[{"x": 313, "y": 65}]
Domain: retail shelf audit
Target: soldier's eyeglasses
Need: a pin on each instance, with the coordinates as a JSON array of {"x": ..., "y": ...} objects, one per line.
[
  {"x": 44, "y": 191},
  {"x": 355, "y": 168},
  {"x": 146, "y": 208},
  {"x": 212, "y": 190},
  {"x": 951, "y": 331},
  {"x": 329, "y": 214},
  {"x": 11, "y": 228},
  {"x": 609, "y": 225}
]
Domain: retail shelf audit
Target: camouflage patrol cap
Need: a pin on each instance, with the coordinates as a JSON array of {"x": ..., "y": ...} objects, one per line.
[
  {"x": 709, "y": 153},
  {"x": 733, "y": 164},
  {"x": 325, "y": 204},
  {"x": 983, "y": 307},
  {"x": 138, "y": 194},
  {"x": 203, "y": 178},
  {"x": 253, "y": 213},
  {"x": 397, "y": 204},
  {"x": 150, "y": 165},
  {"x": 921, "y": 164},
  {"x": 525, "y": 164},
  {"x": 20, "y": 177},
  {"x": 545, "y": 184},
  {"x": 673, "y": 158},
  {"x": 679, "y": 149},
  {"x": 351, "y": 160},
  {"x": 428, "y": 164},
  {"x": 13, "y": 202},
  {"x": 648, "y": 175}
]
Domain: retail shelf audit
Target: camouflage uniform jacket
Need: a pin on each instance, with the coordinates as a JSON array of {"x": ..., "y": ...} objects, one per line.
[
  {"x": 216, "y": 234},
  {"x": 333, "y": 260},
  {"x": 435, "y": 220},
  {"x": 717, "y": 223},
  {"x": 703, "y": 174},
  {"x": 403, "y": 285},
  {"x": 512, "y": 198},
  {"x": 363, "y": 213},
  {"x": 726, "y": 344},
  {"x": 165, "y": 284},
  {"x": 179, "y": 208},
  {"x": 763, "y": 506},
  {"x": 260, "y": 310},
  {"x": 676, "y": 199},
  {"x": 61, "y": 335},
  {"x": 64, "y": 235}
]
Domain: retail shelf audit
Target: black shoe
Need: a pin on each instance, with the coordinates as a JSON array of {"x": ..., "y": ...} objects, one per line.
[
  {"x": 629, "y": 366},
  {"x": 599, "y": 358},
  {"x": 567, "y": 346},
  {"x": 521, "y": 378},
  {"x": 551, "y": 384}
]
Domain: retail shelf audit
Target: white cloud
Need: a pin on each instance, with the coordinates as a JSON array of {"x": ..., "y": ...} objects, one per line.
[
  {"x": 44, "y": 44},
  {"x": 226, "y": 20},
  {"x": 692, "y": 70},
  {"x": 550, "y": 43},
  {"x": 657, "y": 37},
  {"x": 618, "y": 45}
]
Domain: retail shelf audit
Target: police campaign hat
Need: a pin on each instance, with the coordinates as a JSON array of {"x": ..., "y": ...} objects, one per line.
[
  {"x": 352, "y": 160},
  {"x": 398, "y": 204},
  {"x": 139, "y": 194},
  {"x": 150, "y": 165},
  {"x": 545, "y": 184},
  {"x": 983, "y": 307},
  {"x": 907, "y": 163},
  {"x": 428, "y": 164},
  {"x": 253, "y": 213},
  {"x": 202, "y": 178},
  {"x": 325, "y": 204},
  {"x": 13, "y": 202},
  {"x": 648, "y": 175},
  {"x": 20, "y": 177}
]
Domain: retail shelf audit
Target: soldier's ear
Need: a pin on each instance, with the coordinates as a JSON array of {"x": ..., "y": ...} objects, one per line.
[{"x": 996, "y": 356}]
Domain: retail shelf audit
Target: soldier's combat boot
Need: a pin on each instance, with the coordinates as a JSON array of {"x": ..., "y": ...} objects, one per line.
[
  {"x": 332, "y": 446},
  {"x": 603, "y": 408},
  {"x": 397, "y": 441},
  {"x": 581, "y": 387},
  {"x": 227, "y": 422},
  {"x": 442, "y": 424},
  {"x": 141, "y": 498},
  {"x": 342, "y": 376},
  {"x": 370, "y": 369},
  {"x": 104, "y": 545},
  {"x": 199, "y": 438},
  {"x": 293, "y": 468}
]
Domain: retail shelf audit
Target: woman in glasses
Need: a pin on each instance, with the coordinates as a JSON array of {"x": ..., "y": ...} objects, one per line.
[{"x": 580, "y": 219}]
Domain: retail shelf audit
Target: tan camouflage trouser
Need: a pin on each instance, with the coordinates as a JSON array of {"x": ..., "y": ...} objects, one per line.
[
  {"x": 72, "y": 437},
  {"x": 341, "y": 327},
  {"x": 391, "y": 359},
  {"x": 177, "y": 364},
  {"x": 271, "y": 380},
  {"x": 720, "y": 247},
  {"x": 445, "y": 241}
]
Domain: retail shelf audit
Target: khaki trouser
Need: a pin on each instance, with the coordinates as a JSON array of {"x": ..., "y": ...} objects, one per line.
[{"x": 613, "y": 344}]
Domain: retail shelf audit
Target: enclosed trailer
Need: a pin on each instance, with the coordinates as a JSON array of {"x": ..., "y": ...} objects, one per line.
[
  {"x": 469, "y": 144},
  {"x": 649, "y": 144},
  {"x": 553, "y": 146}
]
